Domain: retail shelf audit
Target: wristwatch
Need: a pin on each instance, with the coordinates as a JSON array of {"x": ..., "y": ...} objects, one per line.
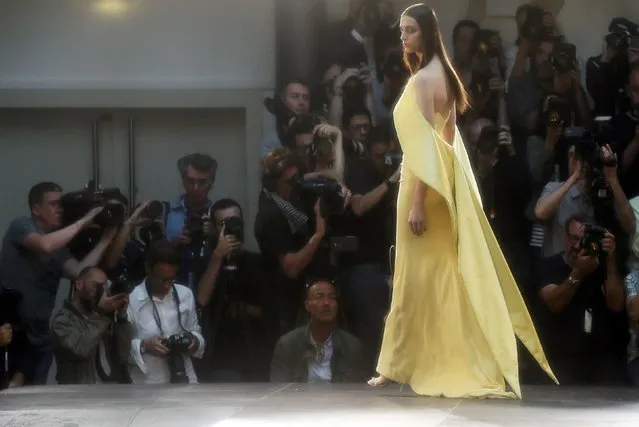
[{"x": 572, "y": 280}]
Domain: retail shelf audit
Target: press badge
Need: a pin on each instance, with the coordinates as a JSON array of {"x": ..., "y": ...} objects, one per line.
[{"x": 587, "y": 321}]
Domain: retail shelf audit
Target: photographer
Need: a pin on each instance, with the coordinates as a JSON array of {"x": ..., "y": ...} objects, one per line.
[
  {"x": 624, "y": 134},
  {"x": 584, "y": 327},
  {"x": 234, "y": 303},
  {"x": 526, "y": 89},
  {"x": 486, "y": 86},
  {"x": 373, "y": 180},
  {"x": 318, "y": 146},
  {"x": 355, "y": 43},
  {"x": 290, "y": 233},
  {"x": 293, "y": 100},
  {"x": 162, "y": 313},
  {"x": 463, "y": 40},
  {"x": 504, "y": 192},
  {"x": 82, "y": 322},
  {"x": 579, "y": 193},
  {"x": 33, "y": 259},
  {"x": 351, "y": 89},
  {"x": 124, "y": 260},
  {"x": 606, "y": 73},
  {"x": 186, "y": 217},
  {"x": 395, "y": 75},
  {"x": 567, "y": 84}
]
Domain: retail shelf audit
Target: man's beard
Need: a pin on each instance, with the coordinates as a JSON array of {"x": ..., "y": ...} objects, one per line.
[{"x": 89, "y": 304}]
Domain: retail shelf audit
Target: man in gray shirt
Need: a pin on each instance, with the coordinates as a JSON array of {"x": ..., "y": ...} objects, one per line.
[
  {"x": 34, "y": 258},
  {"x": 561, "y": 200}
]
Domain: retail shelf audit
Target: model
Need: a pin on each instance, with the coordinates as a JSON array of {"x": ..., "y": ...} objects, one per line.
[{"x": 456, "y": 308}]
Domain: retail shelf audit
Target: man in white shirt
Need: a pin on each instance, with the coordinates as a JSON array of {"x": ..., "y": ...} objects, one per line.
[{"x": 160, "y": 309}]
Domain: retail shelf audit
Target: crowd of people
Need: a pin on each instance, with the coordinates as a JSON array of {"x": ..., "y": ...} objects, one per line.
[{"x": 171, "y": 295}]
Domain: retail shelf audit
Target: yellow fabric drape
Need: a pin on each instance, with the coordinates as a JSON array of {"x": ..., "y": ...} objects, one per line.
[{"x": 456, "y": 308}]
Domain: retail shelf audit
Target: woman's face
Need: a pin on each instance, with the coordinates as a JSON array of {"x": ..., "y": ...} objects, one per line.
[{"x": 411, "y": 35}]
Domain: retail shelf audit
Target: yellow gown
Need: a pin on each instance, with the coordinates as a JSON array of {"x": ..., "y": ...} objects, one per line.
[{"x": 455, "y": 307}]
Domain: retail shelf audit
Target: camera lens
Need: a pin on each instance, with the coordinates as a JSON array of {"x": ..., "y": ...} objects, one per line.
[{"x": 154, "y": 210}]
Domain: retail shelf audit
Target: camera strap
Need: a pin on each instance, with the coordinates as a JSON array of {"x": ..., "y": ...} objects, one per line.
[{"x": 156, "y": 314}]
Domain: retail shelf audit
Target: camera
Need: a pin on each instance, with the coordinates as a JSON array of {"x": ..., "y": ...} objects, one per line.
[
  {"x": 276, "y": 107},
  {"x": 483, "y": 44},
  {"x": 327, "y": 190},
  {"x": 122, "y": 286},
  {"x": 393, "y": 160},
  {"x": 354, "y": 91},
  {"x": 591, "y": 240},
  {"x": 534, "y": 29},
  {"x": 151, "y": 227},
  {"x": 76, "y": 204},
  {"x": 353, "y": 148},
  {"x": 488, "y": 140},
  {"x": 194, "y": 224},
  {"x": 178, "y": 345},
  {"x": 564, "y": 57},
  {"x": 304, "y": 124},
  {"x": 621, "y": 31},
  {"x": 234, "y": 226},
  {"x": 556, "y": 110},
  {"x": 589, "y": 151}
]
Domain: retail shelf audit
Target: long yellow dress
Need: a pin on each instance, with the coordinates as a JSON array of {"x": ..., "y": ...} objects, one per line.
[{"x": 455, "y": 307}]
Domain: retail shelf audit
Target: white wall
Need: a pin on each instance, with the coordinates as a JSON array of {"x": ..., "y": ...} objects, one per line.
[
  {"x": 584, "y": 22},
  {"x": 63, "y": 44}
]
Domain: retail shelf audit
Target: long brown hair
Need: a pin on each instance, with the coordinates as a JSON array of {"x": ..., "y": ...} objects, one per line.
[{"x": 433, "y": 44}]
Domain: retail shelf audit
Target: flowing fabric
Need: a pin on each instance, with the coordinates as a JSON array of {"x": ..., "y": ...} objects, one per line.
[{"x": 456, "y": 309}]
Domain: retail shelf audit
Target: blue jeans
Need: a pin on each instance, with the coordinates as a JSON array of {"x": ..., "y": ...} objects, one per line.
[
  {"x": 366, "y": 298},
  {"x": 41, "y": 358}
]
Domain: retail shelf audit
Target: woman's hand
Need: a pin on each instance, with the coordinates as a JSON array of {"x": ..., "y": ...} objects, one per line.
[{"x": 416, "y": 220}]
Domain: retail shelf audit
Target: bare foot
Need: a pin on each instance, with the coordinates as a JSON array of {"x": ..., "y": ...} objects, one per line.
[{"x": 379, "y": 381}]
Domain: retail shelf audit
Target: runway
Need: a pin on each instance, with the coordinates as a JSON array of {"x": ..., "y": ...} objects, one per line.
[{"x": 246, "y": 405}]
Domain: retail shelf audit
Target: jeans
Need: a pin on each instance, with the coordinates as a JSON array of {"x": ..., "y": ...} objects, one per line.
[
  {"x": 366, "y": 297},
  {"x": 41, "y": 358}
]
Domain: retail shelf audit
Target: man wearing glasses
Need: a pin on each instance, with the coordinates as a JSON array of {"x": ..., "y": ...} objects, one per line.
[{"x": 186, "y": 217}]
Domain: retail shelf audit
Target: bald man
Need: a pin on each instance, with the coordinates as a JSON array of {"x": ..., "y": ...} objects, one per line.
[{"x": 91, "y": 316}]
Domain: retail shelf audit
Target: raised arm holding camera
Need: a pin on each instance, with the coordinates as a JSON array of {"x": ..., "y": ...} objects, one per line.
[
  {"x": 35, "y": 257},
  {"x": 606, "y": 74},
  {"x": 234, "y": 302},
  {"x": 351, "y": 88},
  {"x": 290, "y": 233},
  {"x": 186, "y": 218},
  {"x": 582, "y": 289},
  {"x": 77, "y": 329},
  {"x": 593, "y": 184}
]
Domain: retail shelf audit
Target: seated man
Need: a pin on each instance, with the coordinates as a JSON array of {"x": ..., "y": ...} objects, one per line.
[
  {"x": 319, "y": 351},
  {"x": 166, "y": 332},
  {"x": 78, "y": 327},
  {"x": 584, "y": 327}
]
